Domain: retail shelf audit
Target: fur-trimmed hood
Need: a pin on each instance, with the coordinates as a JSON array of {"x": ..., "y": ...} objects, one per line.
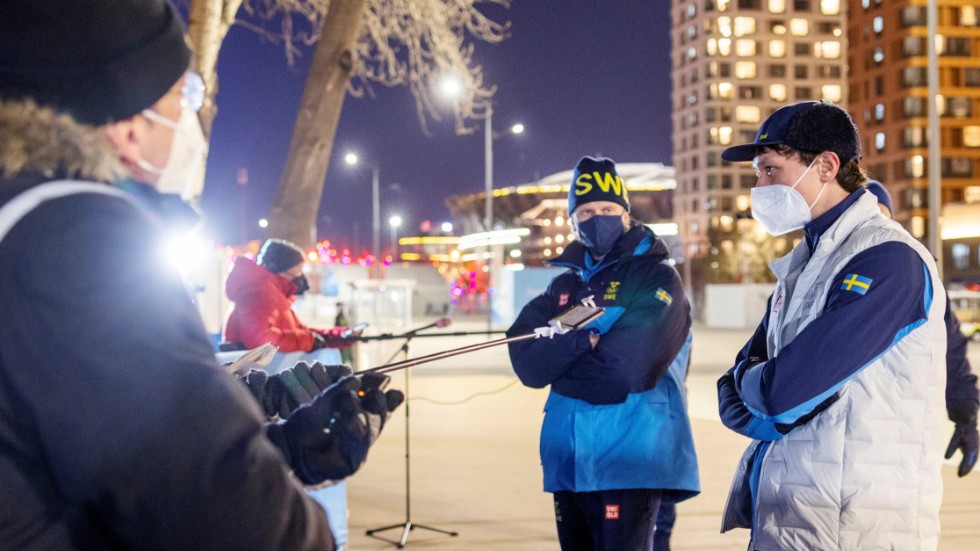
[{"x": 40, "y": 140}]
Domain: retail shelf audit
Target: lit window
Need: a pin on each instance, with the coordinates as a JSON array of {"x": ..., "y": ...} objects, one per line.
[
  {"x": 777, "y": 6},
  {"x": 879, "y": 55},
  {"x": 971, "y": 136},
  {"x": 559, "y": 238},
  {"x": 799, "y": 27},
  {"x": 692, "y": 52},
  {"x": 830, "y": 7},
  {"x": 968, "y": 16},
  {"x": 748, "y": 113},
  {"x": 547, "y": 241},
  {"x": 725, "y": 135},
  {"x": 724, "y": 46},
  {"x": 742, "y": 202},
  {"x": 720, "y": 135},
  {"x": 724, "y": 26},
  {"x": 744, "y": 47},
  {"x": 726, "y": 90},
  {"x": 712, "y": 47},
  {"x": 547, "y": 252},
  {"x": 918, "y": 226},
  {"x": 828, "y": 49},
  {"x": 831, "y": 92},
  {"x": 722, "y": 5},
  {"x": 777, "y": 48},
  {"x": 745, "y": 69},
  {"x": 777, "y": 92},
  {"x": 918, "y": 166},
  {"x": 961, "y": 255},
  {"x": 865, "y": 4},
  {"x": 878, "y": 24},
  {"x": 880, "y": 112},
  {"x": 880, "y": 141},
  {"x": 692, "y": 10},
  {"x": 744, "y": 26}
]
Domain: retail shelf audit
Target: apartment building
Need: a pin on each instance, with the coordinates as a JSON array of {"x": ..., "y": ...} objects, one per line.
[
  {"x": 733, "y": 63},
  {"x": 888, "y": 98}
]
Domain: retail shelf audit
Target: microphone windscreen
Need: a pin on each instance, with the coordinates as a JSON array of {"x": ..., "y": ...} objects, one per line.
[{"x": 443, "y": 322}]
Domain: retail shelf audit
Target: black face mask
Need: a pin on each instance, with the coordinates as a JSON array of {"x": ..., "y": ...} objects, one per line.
[
  {"x": 301, "y": 283},
  {"x": 600, "y": 233}
]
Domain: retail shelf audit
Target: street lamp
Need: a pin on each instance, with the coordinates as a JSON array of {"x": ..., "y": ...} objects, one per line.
[
  {"x": 395, "y": 221},
  {"x": 451, "y": 87},
  {"x": 352, "y": 160}
]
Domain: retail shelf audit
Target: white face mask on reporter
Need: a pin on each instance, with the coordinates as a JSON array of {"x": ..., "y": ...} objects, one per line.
[
  {"x": 180, "y": 175},
  {"x": 781, "y": 209}
]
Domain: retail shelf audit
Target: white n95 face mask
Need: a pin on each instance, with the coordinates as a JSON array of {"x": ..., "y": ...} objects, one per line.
[
  {"x": 781, "y": 209},
  {"x": 180, "y": 175}
]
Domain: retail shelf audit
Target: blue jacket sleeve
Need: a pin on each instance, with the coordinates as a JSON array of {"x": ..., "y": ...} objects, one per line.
[
  {"x": 961, "y": 384},
  {"x": 881, "y": 295},
  {"x": 538, "y": 362},
  {"x": 732, "y": 410}
]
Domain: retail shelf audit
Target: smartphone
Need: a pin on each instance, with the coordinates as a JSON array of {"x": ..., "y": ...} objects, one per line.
[{"x": 356, "y": 328}]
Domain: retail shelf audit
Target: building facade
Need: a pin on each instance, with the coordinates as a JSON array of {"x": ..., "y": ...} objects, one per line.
[
  {"x": 734, "y": 62},
  {"x": 889, "y": 101}
]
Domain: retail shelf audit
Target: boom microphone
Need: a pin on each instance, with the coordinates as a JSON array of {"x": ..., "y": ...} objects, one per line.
[{"x": 439, "y": 323}]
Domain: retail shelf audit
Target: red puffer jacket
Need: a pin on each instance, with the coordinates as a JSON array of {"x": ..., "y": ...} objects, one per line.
[{"x": 263, "y": 310}]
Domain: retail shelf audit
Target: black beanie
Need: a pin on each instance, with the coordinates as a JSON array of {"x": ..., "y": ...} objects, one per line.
[
  {"x": 98, "y": 60},
  {"x": 279, "y": 255},
  {"x": 596, "y": 180}
]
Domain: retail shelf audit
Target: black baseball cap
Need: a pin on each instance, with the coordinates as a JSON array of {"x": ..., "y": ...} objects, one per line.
[{"x": 809, "y": 126}]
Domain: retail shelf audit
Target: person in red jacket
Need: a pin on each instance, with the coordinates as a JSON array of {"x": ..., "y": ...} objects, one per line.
[{"x": 263, "y": 292}]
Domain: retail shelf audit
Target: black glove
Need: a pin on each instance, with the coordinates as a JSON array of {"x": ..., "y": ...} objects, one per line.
[
  {"x": 327, "y": 439},
  {"x": 283, "y": 392},
  {"x": 376, "y": 402},
  {"x": 965, "y": 438},
  {"x": 319, "y": 341}
]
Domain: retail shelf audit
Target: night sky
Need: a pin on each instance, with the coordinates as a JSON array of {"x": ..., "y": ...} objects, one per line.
[{"x": 584, "y": 76}]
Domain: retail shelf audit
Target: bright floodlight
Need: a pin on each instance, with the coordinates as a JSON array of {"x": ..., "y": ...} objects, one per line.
[
  {"x": 263, "y": 223},
  {"x": 350, "y": 158},
  {"x": 517, "y": 128},
  {"x": 447, "y": 227},
  {"x": 450, "y": 86},
  {"x": 395, "y": 221}
]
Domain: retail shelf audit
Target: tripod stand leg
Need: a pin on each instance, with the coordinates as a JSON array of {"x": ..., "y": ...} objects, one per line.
[{"x": 406, "y": 526}]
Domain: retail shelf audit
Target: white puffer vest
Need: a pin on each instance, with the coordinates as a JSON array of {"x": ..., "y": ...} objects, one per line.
[{"x": 865, "y": 473}]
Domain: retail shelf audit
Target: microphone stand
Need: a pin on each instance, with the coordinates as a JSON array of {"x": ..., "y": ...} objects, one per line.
[{"x": 408, "y": 525}]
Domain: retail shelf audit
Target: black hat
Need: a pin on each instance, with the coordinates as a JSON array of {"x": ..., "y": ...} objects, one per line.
[
  {"x": 809, "y": 126},
  {"x": 98, "y": 60},
  {"x": 279, "y": 255},
  {"x": 596, "y": 180}
]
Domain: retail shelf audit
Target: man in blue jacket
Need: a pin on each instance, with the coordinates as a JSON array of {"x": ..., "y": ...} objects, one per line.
[{"x": 616, "y": 438}]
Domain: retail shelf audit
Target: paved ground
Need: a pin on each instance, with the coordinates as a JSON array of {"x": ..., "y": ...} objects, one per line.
[{"x": 475, "y": 467}]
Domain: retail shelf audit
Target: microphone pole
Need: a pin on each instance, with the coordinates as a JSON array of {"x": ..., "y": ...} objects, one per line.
[{"x": 387, "y": 368}]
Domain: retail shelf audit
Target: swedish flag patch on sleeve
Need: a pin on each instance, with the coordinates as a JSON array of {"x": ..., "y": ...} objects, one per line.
[
  {"x": 664, "y": 296},
  {"x": 856, "y": 283}
]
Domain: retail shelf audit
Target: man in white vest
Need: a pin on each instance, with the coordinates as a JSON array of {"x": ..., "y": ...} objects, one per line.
[{"x": 841, "y": 386}]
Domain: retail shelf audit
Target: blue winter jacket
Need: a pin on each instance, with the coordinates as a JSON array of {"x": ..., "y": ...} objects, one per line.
[{"x": 616, "y": 417}]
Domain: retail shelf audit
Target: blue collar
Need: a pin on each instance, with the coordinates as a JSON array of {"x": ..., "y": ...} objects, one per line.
[{"x": 815, "y": 228}]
